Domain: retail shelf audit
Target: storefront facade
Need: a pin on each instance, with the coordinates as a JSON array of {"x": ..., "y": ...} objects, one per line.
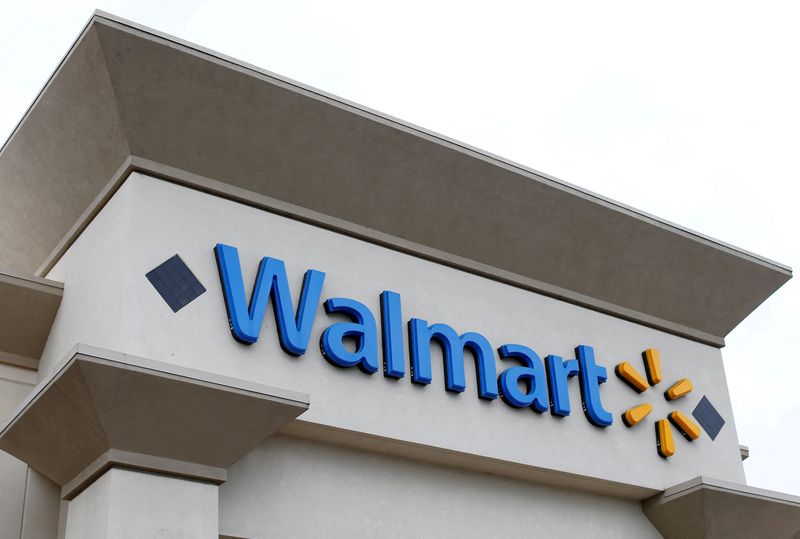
[{"x": 238, "y": 307}]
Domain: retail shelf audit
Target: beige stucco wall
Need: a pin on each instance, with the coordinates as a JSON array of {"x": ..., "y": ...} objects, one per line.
[
  {"x": 290, "y": 487},
  {"x": 15, "y": 384},
  {"x": 109, "y": 303}
]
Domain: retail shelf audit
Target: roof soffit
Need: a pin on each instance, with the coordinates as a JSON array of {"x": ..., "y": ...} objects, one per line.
[{"x": 169, "y": 103}]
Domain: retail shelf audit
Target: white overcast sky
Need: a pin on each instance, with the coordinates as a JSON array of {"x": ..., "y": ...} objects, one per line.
[{"x": 687, "y": 110}]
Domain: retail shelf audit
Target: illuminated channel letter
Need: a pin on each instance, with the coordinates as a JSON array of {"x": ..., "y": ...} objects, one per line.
[
  {"x": 665, "y": 445},
  {"x": 392, "y": 329},
  {"x": 628, "y": 374},
  {"x": 635, "y": 415},
  {"x": 688, "y": 428},
  {"x": 294, "y": 331},
  {"x": 652, "y": 365},
  {"x": 679, "y": 389},
  {"x": 558, "y": 372},
  {"x": 591, "y": 375},
  {"x": 531, "y": 373},
  {"x": 362, "y": 329},
  {"x": 453, "y": 346}
]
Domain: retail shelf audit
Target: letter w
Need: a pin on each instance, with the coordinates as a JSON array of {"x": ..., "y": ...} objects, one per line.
[{"x": 294, "y": 331}]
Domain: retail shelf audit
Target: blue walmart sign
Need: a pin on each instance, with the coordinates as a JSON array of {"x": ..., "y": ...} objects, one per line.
[{"x": 544, "y": 383}]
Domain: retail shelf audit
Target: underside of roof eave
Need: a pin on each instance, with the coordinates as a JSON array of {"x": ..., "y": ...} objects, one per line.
[
  {"x": 28, "y": 307},
  {"x": 60, "y": 155},
  {"x": 709, "y": 508},
  {"x": 125, "y": 92}
]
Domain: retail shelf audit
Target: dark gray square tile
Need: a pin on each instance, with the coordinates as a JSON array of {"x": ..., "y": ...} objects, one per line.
[
  {"x": 176, "y": 283},
  {"x": 708, "y": 417}
]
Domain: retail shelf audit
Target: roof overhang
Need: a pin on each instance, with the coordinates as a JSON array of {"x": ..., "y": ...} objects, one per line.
[
  {"x": 710, "y": 508},
  {"x": 100, "y": 409},
  {"x": 128, "y": 98},
  {"x": 28, "y": 306}
]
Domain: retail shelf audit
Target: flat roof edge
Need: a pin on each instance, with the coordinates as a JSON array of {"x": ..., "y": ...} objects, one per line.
[
  {"x": 738, "y": 489},
  {"x": 28, "y": 307},
  {"x": 363, "y": 110},
  {"x": 642, "y": 268},
  {"x": 291, "y": 211},
  {"x": 709, "y": 507}
]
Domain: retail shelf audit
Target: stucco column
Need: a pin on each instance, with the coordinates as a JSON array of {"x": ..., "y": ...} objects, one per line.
[
  {"x": 139, "y": 447},
  {"x": 124, "y": 504}
]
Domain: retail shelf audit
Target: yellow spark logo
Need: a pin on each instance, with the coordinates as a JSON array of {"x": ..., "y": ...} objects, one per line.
[{"x": 665, "y": 444}]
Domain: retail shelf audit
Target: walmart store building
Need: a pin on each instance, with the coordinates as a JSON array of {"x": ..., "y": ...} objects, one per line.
[{"x": 233, "y": 306}]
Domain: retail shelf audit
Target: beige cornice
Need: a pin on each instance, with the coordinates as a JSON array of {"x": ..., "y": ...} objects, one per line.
[
  {"x": 125, "y": 94},
  {"x": 101, "y": 409}
]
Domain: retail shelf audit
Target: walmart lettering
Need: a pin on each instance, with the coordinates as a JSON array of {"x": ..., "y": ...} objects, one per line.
[{"x": 531, "y": 382}]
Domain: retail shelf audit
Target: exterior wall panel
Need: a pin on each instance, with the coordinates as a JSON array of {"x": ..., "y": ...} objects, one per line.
[
  {"x": 297, "y": 488},
  {"x": 112, "y": 305}
]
